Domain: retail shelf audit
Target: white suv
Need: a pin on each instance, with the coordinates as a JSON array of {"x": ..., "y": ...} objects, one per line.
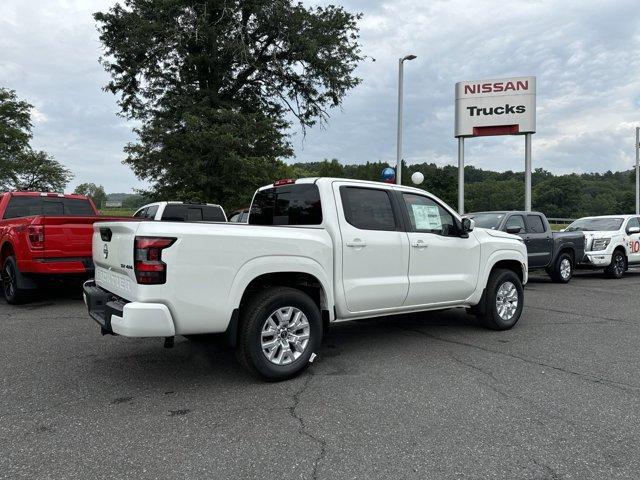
[{"x": 612, "y": 242}]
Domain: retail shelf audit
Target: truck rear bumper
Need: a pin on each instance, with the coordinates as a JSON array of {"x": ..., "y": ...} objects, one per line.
[
  {"x": 129, "y": 319},
  {"x": 57, "y": 265}
]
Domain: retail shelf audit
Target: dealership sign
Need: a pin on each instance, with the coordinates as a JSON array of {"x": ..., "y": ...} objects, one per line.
[{"x": 496, "y": 107}]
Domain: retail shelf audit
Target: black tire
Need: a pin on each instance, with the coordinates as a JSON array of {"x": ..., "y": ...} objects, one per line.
[
  {"x": 490, "y": 316},
  {"x": 254, "y": 316},
  {"x": 618, "y": 265},
  {"x": 557, "y": 272},
  {"x": 13, "y": 294}
]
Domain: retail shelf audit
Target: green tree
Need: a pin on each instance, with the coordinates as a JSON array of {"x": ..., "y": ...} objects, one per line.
[
  {"x": 15, "y": 124},
  {"x": 21, "y": 167},
  {"x": 214, "y": 84},
  {"x": 37, "y": 171},
  {"x": 15, "y": 132},
  {"x": 93, "y": 191}
]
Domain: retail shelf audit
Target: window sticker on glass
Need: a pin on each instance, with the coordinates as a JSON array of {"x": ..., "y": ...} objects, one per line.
[{"x": 426, "y": 217}]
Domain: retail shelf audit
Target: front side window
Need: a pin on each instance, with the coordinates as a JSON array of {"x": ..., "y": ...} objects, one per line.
[
  {"x": 140, "y": 213},
  {"x": 633, "y": 223},
  {"x": 297, "y": 204},
  {"x": 535, "y": 224},
  {"x": 368, "y": 208},
  {"x": 516, "y": 221},
  {"x": 151, "y": 212},
  {"x": 428, "y": 216}
]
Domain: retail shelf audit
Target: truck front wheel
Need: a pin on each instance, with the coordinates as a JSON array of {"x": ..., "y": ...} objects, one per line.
[
  {"x": 563, "y": 269},
  {"x": 12, "y": 293},
  {"x": 504, "y": 299},
  {"x": 280, "y": 329},
  {"x": 618, "y": 265}
]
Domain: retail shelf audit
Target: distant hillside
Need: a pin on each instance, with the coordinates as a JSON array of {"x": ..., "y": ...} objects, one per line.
[
  {"x": 569, "y": 196},
  {"x": 129, "y": 200},
  {"x": 565, "y": 196}
]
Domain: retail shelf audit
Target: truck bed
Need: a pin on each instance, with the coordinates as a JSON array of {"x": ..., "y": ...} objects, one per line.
[{"x": 216, "y": 258}]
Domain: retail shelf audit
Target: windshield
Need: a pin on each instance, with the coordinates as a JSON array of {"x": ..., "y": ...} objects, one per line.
[
  {"x": 487, "y": 220},
  {"x": 596, "y": 224}
]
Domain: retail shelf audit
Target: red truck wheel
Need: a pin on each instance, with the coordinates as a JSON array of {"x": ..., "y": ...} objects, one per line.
[{"x": 12, "y": 293}]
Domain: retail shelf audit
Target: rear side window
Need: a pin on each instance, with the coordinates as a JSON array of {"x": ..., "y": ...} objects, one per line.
[
  {"x": 297, "y": 204},
  {"x": 368, "y": 208},
  {"x": 535, "y": 224},
  {"x": 212, "y": 214},
  {"x": 31, "y": 206}
]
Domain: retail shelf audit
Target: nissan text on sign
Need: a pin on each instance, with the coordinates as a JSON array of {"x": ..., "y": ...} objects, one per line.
[{"x": 496, "y": 107}]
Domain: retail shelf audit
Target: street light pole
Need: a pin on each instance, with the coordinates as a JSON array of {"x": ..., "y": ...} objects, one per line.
[{"x": 399, "y": 139}]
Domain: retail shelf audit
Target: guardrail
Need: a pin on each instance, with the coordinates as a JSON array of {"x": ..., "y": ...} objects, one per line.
[{"x": 561, "y": 221}]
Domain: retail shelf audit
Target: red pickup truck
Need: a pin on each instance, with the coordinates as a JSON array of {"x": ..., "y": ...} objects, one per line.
[{"x": 44, "y": 235}]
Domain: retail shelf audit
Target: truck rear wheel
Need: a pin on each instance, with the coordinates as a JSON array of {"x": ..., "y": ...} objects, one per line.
[
  {"x": 618, "y": 265},
  {"x": 12, "y": 293},
  {"x": 280, "y": 328},
  {"x": 504, "y": 300},
  {"x": 563, "y": 269}
]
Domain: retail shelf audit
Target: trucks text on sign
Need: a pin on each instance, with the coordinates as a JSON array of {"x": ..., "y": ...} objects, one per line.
[{"x": 496, "y": 107}]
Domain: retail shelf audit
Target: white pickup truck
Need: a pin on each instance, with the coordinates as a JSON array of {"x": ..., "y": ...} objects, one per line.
[
  {"x": 315, "y": 251},
  {"x": 611, "y": 242}
]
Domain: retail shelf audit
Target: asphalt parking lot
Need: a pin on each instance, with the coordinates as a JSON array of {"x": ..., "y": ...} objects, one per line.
[{"x": 421, "y": 396}]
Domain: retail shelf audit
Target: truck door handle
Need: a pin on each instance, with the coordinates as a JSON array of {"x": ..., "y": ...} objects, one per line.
[
  {"x": 356, "y": 243},
  {"x": 419, "y": 244}
]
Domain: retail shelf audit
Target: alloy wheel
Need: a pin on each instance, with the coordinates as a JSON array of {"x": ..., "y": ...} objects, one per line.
[
  {"x": 565, "y": 268},
  {"x": 285, "y": 335},
  {"x": 507, "y": 301},
  {"x": 8, "y": 281},
  {"x": 618, "y": 265}
]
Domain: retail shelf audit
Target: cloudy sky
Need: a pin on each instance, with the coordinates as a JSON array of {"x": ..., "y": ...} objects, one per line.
[{"x": 585, "y": 54}]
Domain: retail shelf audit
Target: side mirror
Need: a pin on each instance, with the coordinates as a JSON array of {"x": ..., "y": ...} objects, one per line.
[
  {"x": 468, "y": 225},
  {"x": 633, "y": 230},
  {"x": 514, "y": 229}
]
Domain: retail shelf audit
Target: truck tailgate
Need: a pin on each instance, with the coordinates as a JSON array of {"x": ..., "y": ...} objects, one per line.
[
  {"x": 113, "y": 250},
  {"x": 68, "y": 237}
]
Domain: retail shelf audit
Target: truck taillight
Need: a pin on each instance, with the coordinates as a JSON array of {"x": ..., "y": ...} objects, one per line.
[
  {"x": 36, "y": 236},
  {"x": 148, "y": 264}
]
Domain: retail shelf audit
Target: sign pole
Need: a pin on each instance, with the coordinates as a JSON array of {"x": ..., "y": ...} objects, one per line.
[
  {"x": 527, "y": 172},
  {"x": 637, "y": 170},
  {"x": 461, "y": 175}
]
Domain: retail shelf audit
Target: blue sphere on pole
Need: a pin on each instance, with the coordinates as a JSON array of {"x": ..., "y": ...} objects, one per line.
[{"x": 389, "y": 175}]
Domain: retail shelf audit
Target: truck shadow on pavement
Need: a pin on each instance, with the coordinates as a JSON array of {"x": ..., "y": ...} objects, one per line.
[{"x": 208, "y": 360}]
